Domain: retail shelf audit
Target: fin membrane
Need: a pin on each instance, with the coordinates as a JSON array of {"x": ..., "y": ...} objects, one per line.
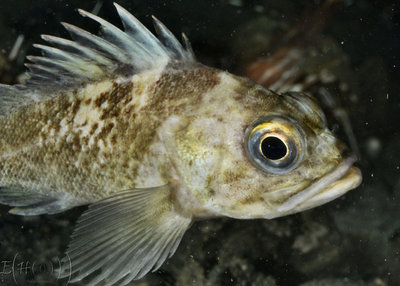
[
  {"x": 29, "y": 203},
  {"x": 92, "y": 58},
  {"x": 10, "y": 97},
  {"x": 124, "y": 237}
]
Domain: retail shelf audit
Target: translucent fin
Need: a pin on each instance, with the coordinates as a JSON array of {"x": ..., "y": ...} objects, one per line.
[
  {"x": 188, "y": 46},
  {"x": 136, "y": 30},
  {"x": 114, "y": 53},
  {"x": 173, "y": 46},
  {"x": 125, "y": 236},
  {"x": 30, "y": 203},
  {"x": 10, "y": 97}
]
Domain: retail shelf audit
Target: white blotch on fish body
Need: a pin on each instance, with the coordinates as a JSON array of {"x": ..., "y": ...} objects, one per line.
[{"x": 88, "y": 115}]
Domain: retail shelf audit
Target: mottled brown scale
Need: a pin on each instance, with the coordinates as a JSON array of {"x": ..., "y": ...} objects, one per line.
[
  {"x": 180, "y": 87},
  {"x": 43, "y": 148}
]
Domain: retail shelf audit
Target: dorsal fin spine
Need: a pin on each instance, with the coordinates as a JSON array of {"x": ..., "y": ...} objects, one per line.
[
  {"x": 81, "y": 50},
  {"x": 59, "y": 54},
  {"x": 117, "y": 35},
  {"x": 169, "y": 40},
  {"x": 138, "y": 30},
  {"x": 83, "y": 36},
  {"x": 188, "y": 47}
]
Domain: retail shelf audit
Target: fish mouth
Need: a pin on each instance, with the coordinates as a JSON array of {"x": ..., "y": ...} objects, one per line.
[{"x": 342, "y": 179}]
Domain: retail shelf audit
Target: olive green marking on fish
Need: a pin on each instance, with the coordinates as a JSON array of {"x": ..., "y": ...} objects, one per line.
[{"x": 177, "y": 90}]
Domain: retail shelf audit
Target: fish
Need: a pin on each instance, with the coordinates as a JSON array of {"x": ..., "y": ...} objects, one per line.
[{"x": 132, "y": 125}]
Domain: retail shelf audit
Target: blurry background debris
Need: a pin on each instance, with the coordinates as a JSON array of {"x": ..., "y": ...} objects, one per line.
[{"x": 354, "y": 240}]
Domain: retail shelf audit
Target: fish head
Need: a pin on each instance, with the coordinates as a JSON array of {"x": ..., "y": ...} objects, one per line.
[{"x": 259, "y": 154}]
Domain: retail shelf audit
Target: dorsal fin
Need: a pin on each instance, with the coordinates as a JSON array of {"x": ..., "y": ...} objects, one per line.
[{"x": 90, "y": 58}]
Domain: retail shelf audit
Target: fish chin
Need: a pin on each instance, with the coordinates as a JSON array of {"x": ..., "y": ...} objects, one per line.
[{"x": 342, "y": 179}]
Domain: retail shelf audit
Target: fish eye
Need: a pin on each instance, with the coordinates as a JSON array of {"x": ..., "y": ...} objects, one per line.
[
  {"x": 273, "y": 148},
  {"x": 274, "y": 144}
]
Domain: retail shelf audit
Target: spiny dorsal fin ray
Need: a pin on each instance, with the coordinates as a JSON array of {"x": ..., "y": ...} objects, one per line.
[
  {"x": 95, "y": 43},
  {"x": 138, "y": 31},
  {"x": 188, "y": 47},
  {"x": 74, "y": 47},
  {"x": 125, "y": 236},
  {"x": 169, "y": 41},
  {"x": 115, "y": 53}
]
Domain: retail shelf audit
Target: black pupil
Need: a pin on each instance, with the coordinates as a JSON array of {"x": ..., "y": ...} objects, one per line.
[{"x": 273, "y": 148}]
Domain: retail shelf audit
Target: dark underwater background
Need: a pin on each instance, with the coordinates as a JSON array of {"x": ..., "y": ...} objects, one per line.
[{"x": 353, "y": 241}]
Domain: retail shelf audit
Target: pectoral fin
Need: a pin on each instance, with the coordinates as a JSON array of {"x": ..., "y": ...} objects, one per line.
[{"x": 124, "y": 236}]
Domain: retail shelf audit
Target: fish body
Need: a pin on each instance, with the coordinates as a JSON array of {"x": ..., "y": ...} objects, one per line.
[{"x": 152, "y": 140}]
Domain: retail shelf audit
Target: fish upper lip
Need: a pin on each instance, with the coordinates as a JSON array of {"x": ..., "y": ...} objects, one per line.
[{"x": 316, "y": 187}]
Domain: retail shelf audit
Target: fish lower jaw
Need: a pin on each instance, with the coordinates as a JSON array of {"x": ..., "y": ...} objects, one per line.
[
  {"x": 350, "y": 181},
  {"x": 341, "y": 180}
]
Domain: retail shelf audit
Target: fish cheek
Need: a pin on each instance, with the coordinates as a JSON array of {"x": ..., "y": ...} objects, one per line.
[{"x": 235, "y": 185}]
